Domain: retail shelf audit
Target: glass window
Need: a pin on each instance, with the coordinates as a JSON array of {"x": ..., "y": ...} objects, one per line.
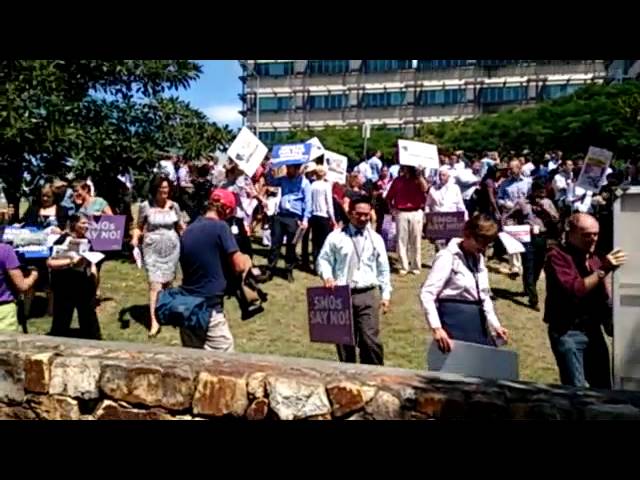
[
  {"x": 375, "y": 66},
  {"x": 274, "y": 69},
  {"x": 383, "y": 99},
  {"x": 503, "y": 94},
  {"x": 328, "y": 67},
  {"x": 555, "y": 91},
  {"x": 442, "y": 97},
  {"x": 273, "y": 137},
  {"x": 496, "y": 63},
  {"x": 440, "y": 64},
  {"x": 275, "y": 103},
  {"x": 327, "y": 102}
]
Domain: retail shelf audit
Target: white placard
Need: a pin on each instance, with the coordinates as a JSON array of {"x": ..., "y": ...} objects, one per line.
[
  {"x": 247, "y": 151},
  {"x": 522, "y": 233},
  {"x": 418, "y": 154},
  {"x": 93, "y": 257},
  {"x": 317, "y": 150},
  {"x": 336, "y": 165},
  {"x": 594, "y": 169},
  {"x": 511, "y": 245},
  {"x": 474, "y": 360}
]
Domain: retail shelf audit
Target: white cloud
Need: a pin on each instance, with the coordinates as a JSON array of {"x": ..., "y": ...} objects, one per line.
[{"x": 224, "y": 114}]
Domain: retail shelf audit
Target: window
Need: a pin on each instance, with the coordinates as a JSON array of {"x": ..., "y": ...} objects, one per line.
[
  {"x": 275, "y": 103},
  {"x": 439, "y": 64},
  {"x": 503, "y": 94},
  {"x": 376, "y": 66},
  {"x": 442, "y": 97},
  {"x": 554, "y": 91},
  {"x": 496, "y": 63},
  {"x": 327, "y": 102},
  {"x": 328, "y": 67},
  {"x": 274, "y": 69},
  {"x": 383, "y": 99},
  {"x": 273, "y": 137}
]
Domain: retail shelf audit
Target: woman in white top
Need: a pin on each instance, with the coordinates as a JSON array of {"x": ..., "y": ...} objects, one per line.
[
  {"x": 446, "y": 196},
  {"x": 322, "y": 219},
  {"x": 456, "y": 295}
]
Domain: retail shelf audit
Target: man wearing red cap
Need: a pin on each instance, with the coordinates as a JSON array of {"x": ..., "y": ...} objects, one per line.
[{"x": 208, "y": 247}]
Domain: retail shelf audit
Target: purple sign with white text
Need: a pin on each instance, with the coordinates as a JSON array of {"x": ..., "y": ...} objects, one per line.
[
  {"x": 444, "y": 225},
  {"x": 106, "y": 232},
  {"x": 330, "y": 315}
]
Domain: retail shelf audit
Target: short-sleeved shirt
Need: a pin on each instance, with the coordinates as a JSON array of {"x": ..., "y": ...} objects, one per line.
[
  {"x": 95, "y": 207},
  {"x": 204, "y": 258},
  {"x": 66, "y": 278},
  {"x": 8, "y": 261}
]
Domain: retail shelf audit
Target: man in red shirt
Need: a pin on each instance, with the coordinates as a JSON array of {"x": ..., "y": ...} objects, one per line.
[
  {"x": 578, "y": 304},
  {"x": 406, "y": 198}
]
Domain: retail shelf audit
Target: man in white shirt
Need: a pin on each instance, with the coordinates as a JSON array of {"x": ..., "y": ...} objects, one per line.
[
  {"x": 445, "y": 197},
  {"x": 356, "y": 256},
  {"x": 375, "y": 165},
  {"x": 364, "y": 169},
  {"x": 528, "y": 167},
  {"x": 563, "y": 182},
  {"x": 168, "y": 167},
  {"x": 468, "y": 180},
  {"x": 322, "y": 218}
]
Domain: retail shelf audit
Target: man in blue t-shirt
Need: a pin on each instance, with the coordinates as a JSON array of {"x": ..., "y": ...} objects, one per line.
[{"x": 208, "y": 248}]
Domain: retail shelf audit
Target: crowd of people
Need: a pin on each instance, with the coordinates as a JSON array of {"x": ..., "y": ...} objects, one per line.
[{"x": 202, "y": 216}]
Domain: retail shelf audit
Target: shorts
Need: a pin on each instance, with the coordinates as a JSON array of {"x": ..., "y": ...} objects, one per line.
[
  {"x": 9, "y": 318},
  {"x": 217, "y": 337}
]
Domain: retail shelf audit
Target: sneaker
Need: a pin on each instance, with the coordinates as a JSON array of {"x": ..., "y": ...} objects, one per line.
[{"x": 415, "y": 272}]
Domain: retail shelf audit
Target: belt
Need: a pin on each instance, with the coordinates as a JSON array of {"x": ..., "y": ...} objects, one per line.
[
  {"x": 456, "y": 300},
  {"x": 409, "y": 209},
  {"x": 362, "y": 290}
]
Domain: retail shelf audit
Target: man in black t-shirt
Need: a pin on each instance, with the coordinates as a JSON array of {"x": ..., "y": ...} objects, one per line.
[{"x": 208, "y": 247}]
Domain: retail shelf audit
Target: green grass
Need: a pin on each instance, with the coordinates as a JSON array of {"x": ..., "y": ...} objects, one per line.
[{"x": 282, "y": 328}]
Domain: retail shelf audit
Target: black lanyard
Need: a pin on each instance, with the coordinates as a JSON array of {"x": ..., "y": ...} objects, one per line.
[
  {"x": 473, "y": 264},
  {"x": 358, "y": 253}
]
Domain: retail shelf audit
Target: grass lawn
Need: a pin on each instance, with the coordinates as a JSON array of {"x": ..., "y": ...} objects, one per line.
[{"x": 282, "y": 328}]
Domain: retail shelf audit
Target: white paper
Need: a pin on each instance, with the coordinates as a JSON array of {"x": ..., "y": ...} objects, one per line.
[
  {"x": 317, "y": 150},
  {"x": 298, "y": 236},
  {"x": 137, "y": 256},
  {"x": 336, "y": 165},
  {"x": 594, "y": 169},
  {"x": 473, "y": 360},
  {"x": 93, "y": 257},
  {"x": 522, "y": 233},
  {"x": 247, "y": 151},
  {"x": 511, "y": 245},
  {"x": 418, "y": 154}
]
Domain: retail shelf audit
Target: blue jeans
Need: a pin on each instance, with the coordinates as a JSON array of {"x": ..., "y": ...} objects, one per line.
[{"x": 582, "y": 358}]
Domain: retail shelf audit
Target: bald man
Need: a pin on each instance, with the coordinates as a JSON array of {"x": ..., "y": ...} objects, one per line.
[{"x": 578, "y": 304}]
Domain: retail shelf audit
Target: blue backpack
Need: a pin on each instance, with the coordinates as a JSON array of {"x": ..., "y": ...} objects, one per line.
[{"x": 178, "y": 309}]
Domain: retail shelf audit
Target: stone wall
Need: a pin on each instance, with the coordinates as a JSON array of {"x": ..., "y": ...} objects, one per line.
[{"x": 53, "y": 378}]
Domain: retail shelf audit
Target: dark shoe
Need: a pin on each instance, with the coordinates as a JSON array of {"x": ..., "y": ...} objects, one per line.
[
  {"x": 533, "y": 305},
  {"x": 290, "y": 277}
]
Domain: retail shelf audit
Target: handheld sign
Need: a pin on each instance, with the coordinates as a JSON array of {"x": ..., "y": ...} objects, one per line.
[
  {"x": 522, "y": 233},
  {"x": 106, "y": 232},
  {"x": 247, "y": 151},
  {"x": 330, "y": 315},
  {"x": 336, "y": 167},
  {"x": 594, "y": 169},
  {"x": 511, "y": 245},
  {"x": 317, "y": 150},
  {"x": 418, "y": 154},
  {"x": 290, "y": 154},
  {"x": 474, "y": 360},
  {"x": 444, "y": 225}
]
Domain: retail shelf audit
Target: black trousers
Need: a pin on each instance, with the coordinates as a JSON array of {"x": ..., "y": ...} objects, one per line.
[
  {"x": 304, "y": 253},
  {"x": 320, "y": 229},
  {"x": 366, "y": 322},
  {"x": 532, "y": 264},
  {"x": 66, "y": 299},
  {"x": 282, "y": 226},
  {"x": 242, "y": 238}
]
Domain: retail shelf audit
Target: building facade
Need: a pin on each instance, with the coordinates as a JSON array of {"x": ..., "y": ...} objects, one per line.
[
  {"x": 622, "y": 70},
  {"x": 397, "y": 94}
]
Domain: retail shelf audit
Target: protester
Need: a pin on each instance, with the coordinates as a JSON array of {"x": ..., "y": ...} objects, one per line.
[
  {"x": 355, "y": 256},
  {"x": 364, "y": 169},
  {"x": 167, "y": 168},
  {"x": 487, "y": 195},
  {"x": 46, "y": 212},
  {"x": 339, "y": 193},
  {"x": 309, "y": 171},
  {"x": 184, "y": 185},
  {"x": 202, "y": 188},
  {"x": 87, "y": 204},
  {"x": 375, "y": 166},
  {"x": 208, "y": 252},
  {"x": 241, "y": 186},
  {"x": 63, "y": 195},
  {"x": 468, "y": 179},
  {"x": 12, "y": 280},
  {"x": 74, "y": 282},
  {"x": 159, "y": 224},
  {"x": 355, "y": 183},
  {"x": 379, "y": 194},
  {"x": 322, "y": 219},
  {"x": 293, "y": 214},
  {"x": 563, "y": 183},
  {"x": 445, "y": 197},
  {"x": 406, "y": 199},
  {"x": 578, "y": 304},
  {"x": 456, "y": 295}
]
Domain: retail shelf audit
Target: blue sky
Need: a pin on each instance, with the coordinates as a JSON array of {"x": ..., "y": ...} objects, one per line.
[{"x": 216, "y": 92}]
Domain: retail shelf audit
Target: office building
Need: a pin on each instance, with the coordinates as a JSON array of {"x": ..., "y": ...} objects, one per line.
[
  {"x": 622, "y": 70},
  {"x": 397, "y": 94}
]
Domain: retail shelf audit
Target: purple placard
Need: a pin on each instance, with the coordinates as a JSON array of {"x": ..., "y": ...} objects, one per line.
[
  {"x": 106, "y": 232},
  {"x": 330, "y": 315},
  {"x": 444, "y": 225}
]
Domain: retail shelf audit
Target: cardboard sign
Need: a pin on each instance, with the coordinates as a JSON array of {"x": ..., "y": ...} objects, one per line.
[
  {"x": 290, "y": 154},
  {"x": 336, "y": 165},
  {"x": 330, "y": 315},
  {"x": 511, "y": 245},
  {"x": 522, "y": 233},
  {"x": 418, "y": 154},
  {"x": 106, "y": 232},
  {"x": 247, "y": 151},
  {"x": 474, "y": 360},
  {"x": 317, "y": 150},
  {"x": 594, "y": 169},
  {"x": 444, "y": 225}
]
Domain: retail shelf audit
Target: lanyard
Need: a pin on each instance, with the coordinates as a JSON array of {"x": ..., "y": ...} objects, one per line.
[{"x": 473, "y": 264}]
